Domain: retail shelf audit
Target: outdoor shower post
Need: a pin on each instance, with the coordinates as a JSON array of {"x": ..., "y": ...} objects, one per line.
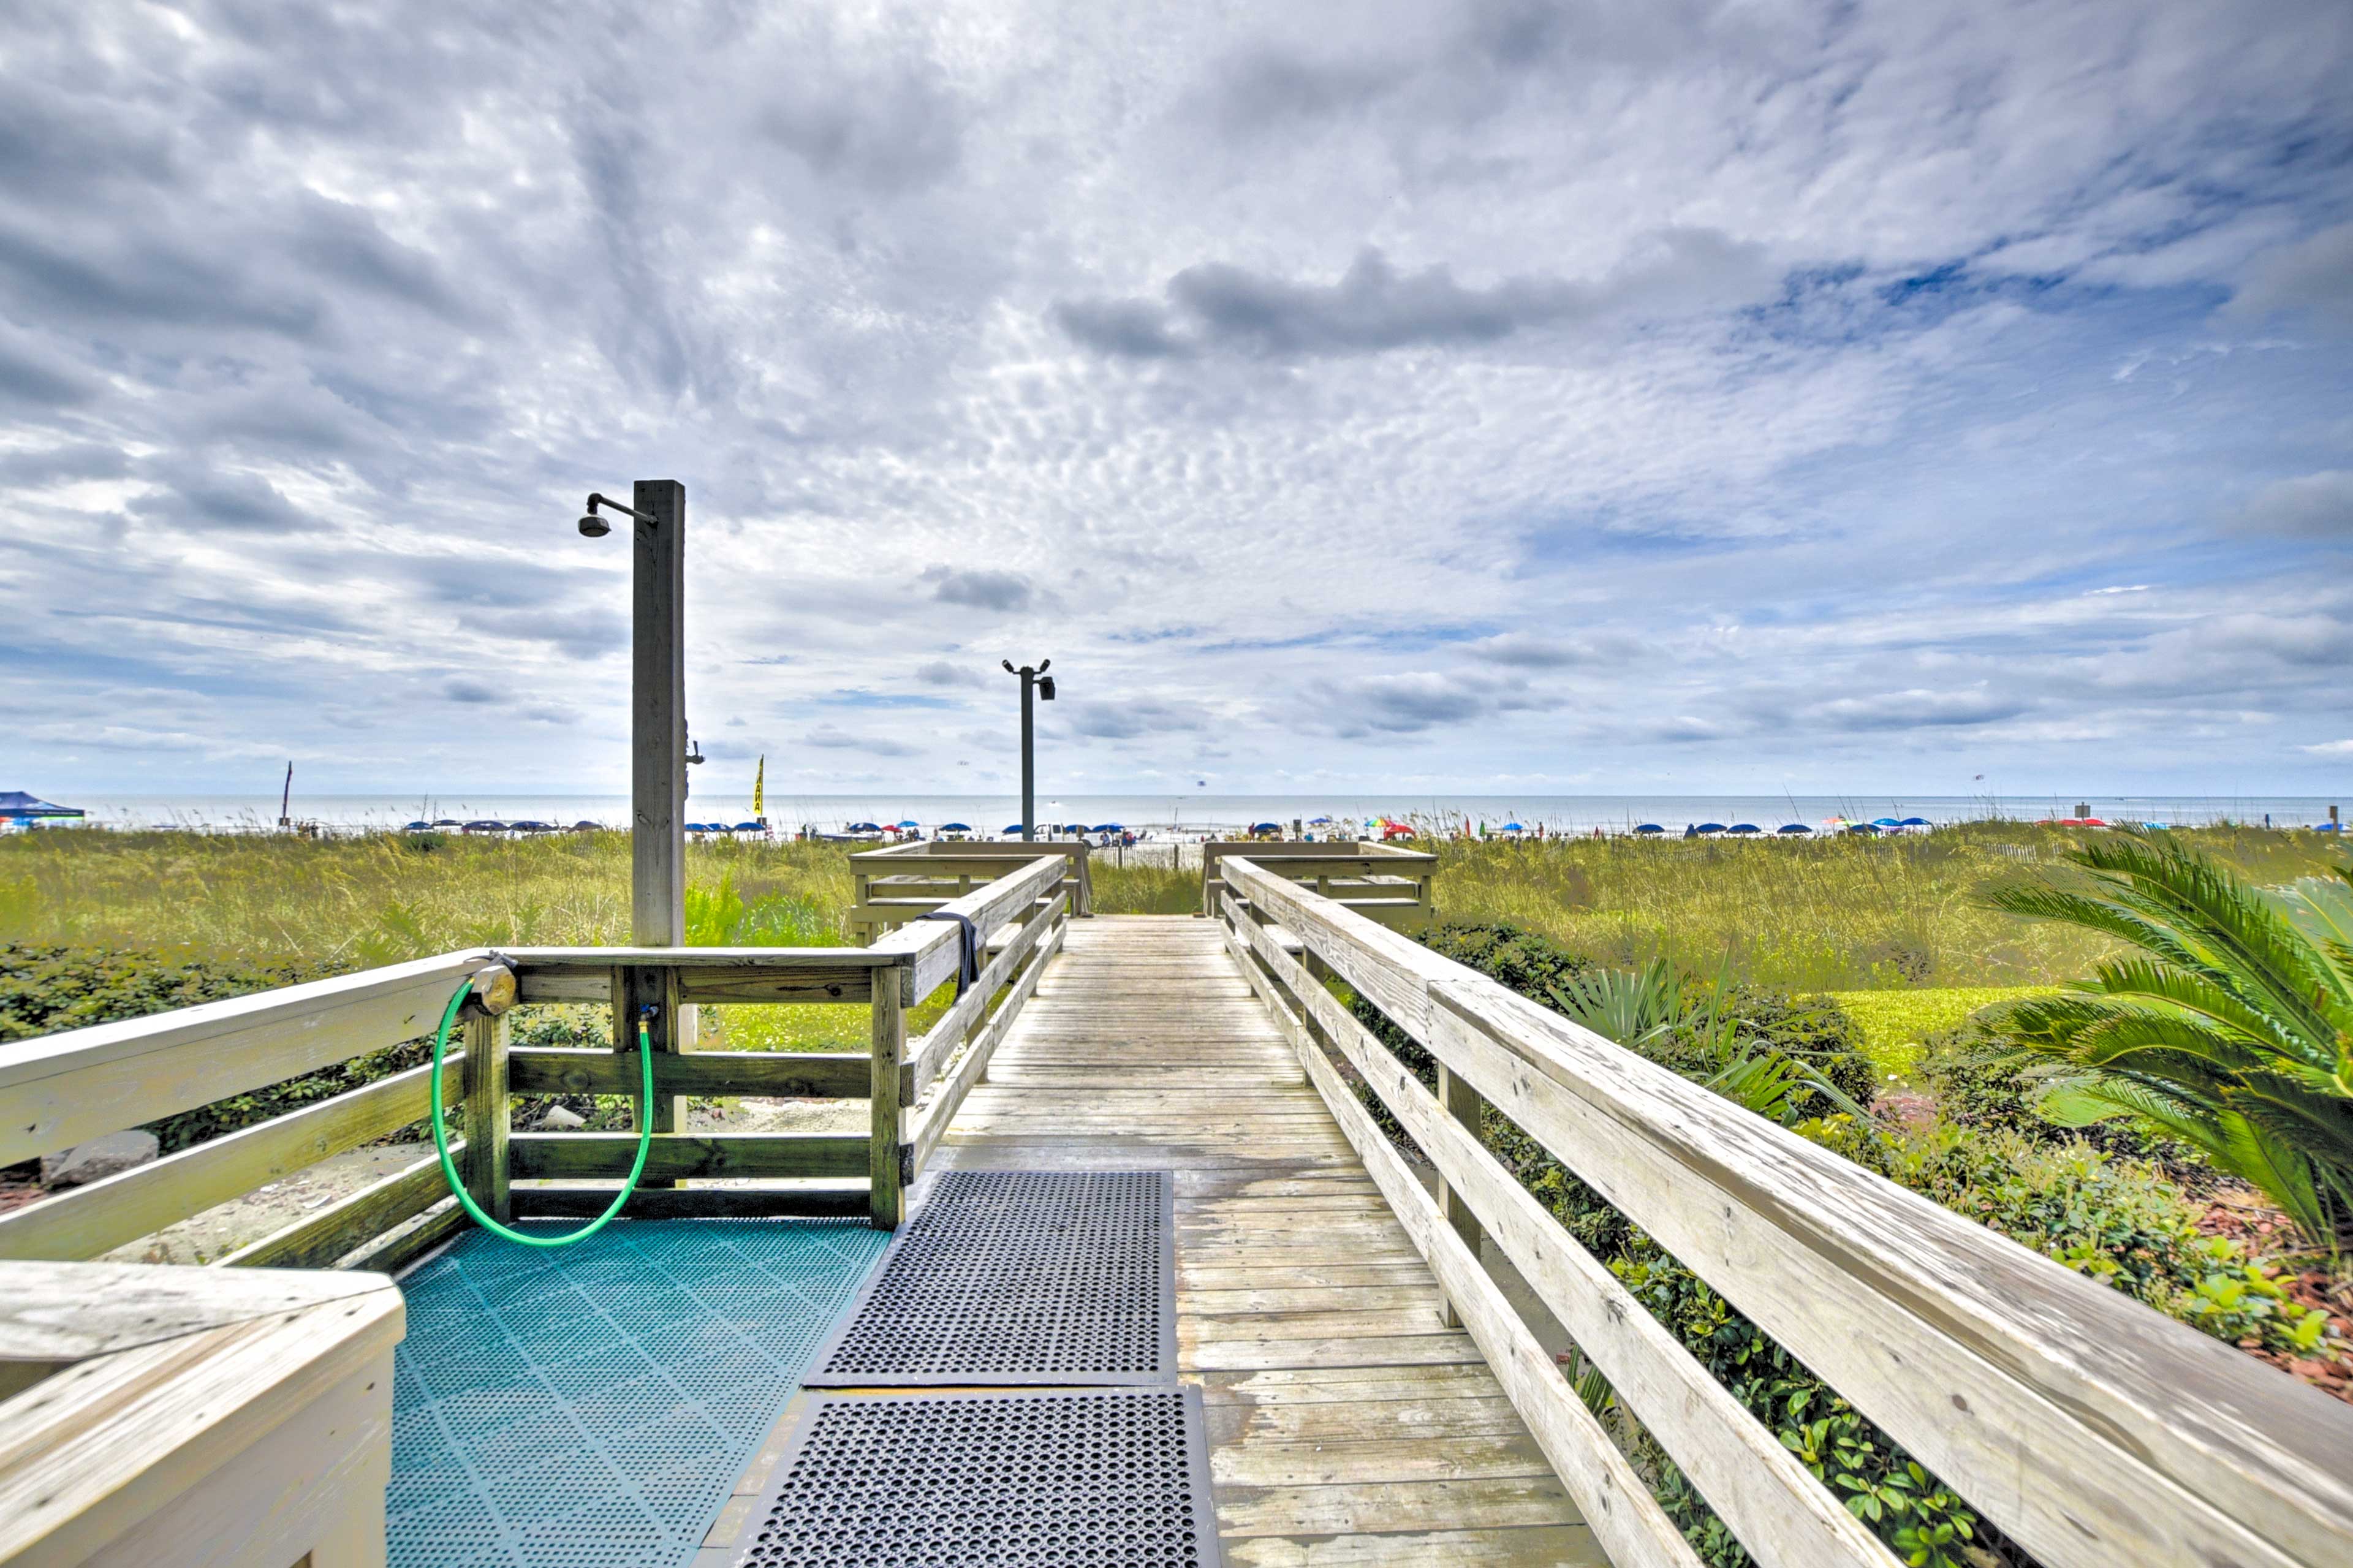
[{"x": 658, "y": 761}]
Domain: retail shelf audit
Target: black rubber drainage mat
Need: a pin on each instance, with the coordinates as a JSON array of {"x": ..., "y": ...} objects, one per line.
[
  {"x": 1114, "y": 1477},
  {"x": 1066, "y": 1277}
]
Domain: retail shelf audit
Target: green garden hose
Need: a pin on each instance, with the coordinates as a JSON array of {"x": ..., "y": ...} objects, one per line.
[{"x": 449, "y": 1166}]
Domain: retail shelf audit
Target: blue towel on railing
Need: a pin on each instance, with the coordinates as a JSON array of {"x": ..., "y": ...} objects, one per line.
[{"x": 967, "y": 948}]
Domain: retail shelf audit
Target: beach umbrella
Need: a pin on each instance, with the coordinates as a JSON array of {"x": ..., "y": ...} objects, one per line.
[
  {"x": 417, "y": 827},
  {"x": 909, "y": 822},
  {"x": 447, "y": 822},
  {"x": 1108, "y": 828},
  {"x": 750, "y": 827},
  {"x": 2093, "y": 822},
  {"x": 1793, "y": 828},
  {"x": 865, "y": 827},
  {"x": 955, "y": 827},
  {"x": 533, "y": 827},
  {"x": 1012, "y": 827},
  {"x": 486, "y": 825},
  {"x": 1742, "y": 827},
  {"x": 1319, "y": 822},
  {"x": 1914, "y": 822},
  {"x": 587, "y": 828},
  {"x": 1866, "y": 830},
  {"x": 1649, "y": 827},
  {"x": 1266, "y": 827},
  {"x": 1514, "y": 827},
  {"x": 1885, "y": 822},
  {"x": 1709, "y": 828}
]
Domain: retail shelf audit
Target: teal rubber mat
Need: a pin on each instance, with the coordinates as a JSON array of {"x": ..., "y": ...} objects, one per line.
[{"x": 592, "y": 1407}]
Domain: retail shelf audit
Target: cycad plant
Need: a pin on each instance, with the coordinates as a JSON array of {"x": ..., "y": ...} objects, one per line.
[
  {"x": 2227, "y": 1025},
  {"x": 1656, "y": 1011}
]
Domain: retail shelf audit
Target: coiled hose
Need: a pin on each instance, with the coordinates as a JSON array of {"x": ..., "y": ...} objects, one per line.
[{"x": 449, "y": 1166}]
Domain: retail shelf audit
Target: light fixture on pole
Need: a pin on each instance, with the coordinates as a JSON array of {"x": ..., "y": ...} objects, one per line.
[{"x": 1032, "y": 680}]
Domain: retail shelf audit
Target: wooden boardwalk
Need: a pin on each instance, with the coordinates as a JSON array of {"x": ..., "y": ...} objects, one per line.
[{"x": 1347, "y": 1423}]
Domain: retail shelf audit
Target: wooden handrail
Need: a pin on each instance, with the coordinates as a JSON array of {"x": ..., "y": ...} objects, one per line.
[
  {"x": 61, "y": 1089},
  {"x": 2091, "y": 1428}
]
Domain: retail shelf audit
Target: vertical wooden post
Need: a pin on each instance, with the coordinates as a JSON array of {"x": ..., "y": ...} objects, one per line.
[
  {"x": 1462, "y": 1103},
  {"x": 637, "y": 986},
  {"x": 657, "y": 768},
  {"x": 887, "y": 1201},
  {"x": 486, "y": 1117},
  {"x": 658, "y": 718}
]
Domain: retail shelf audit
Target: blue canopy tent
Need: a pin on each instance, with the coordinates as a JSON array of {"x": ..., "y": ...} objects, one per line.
[
  {"x": 1793, "y": 828},
  {"x": 15, "y": 805},
  {"x": 1649, "y": 827}
]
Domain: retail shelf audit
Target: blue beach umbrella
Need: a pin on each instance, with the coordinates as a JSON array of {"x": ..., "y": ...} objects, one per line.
[
  {"x": 1710, "y": 827},
  {"x": 417, "y": 827},
  {"x": 1649, "y": 827},
  {"x": 1012, "y": 827},
  {"x": 1108, "y": 828},
  {"x": 1794, "y": 828},
  {"x": 1885, "y": 822},
  {"x": 865, "y": 827},
  {"x": 747, "y": 827},
  {"x": 1319, "y": 822},
  {"x": 1742, "y": 827},
  {"x": 1914, "y": 822},
  {"x": 955, "y": 827},
  {"x": 908, "y": 822},
  {"x": 1865, "y": 829}
]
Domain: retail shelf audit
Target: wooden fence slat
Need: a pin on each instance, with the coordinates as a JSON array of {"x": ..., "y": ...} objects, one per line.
[
  {"x": 59, "y": 1089},
  {"x": 2089, "y": 1427},
  {"x": 1617, "y": 1505},
  {"x": 1763, "y": 1491},
  {"x": 781, "y": 1075},
  {"x": 84, "y": 1222},
  {"x": 317, "y": 1240},
  {"x": 678, "y": 1157}
]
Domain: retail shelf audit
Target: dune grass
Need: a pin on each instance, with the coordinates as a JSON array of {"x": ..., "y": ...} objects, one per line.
[{"x": 1834, "y": 914}]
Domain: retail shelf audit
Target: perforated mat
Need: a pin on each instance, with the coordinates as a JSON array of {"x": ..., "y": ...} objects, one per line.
[
  {"x": 592, "y": 1407},
  {"x": 1020, "y": 1277},
  {"x": 1109, "y": 1478}
]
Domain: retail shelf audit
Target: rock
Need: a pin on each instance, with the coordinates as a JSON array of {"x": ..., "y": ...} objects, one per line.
[
  {"x": 98, "y": 1158},
  {"x": 561, "y": 1120}
]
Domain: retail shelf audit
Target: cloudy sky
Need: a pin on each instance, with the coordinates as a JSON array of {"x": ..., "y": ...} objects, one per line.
[{"x": 1486, "y": 395}]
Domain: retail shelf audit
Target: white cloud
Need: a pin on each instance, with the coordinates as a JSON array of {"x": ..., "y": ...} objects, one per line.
[{"x": 1670, "y": 390}]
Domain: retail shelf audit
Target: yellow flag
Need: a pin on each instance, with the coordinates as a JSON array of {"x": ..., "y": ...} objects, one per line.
[{"x": 760, "y": 793}]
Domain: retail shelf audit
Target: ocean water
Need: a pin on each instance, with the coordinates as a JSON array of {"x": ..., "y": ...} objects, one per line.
[{"x": 1196, "y": 815}]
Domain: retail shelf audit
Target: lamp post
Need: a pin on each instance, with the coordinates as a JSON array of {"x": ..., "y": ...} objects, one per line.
[{"x": 1032, "y": 680}]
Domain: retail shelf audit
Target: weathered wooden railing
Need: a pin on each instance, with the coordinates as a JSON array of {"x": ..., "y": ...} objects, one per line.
[
  {"x": 68, "y": 1087},
  {"x": 1382, "y": 881},
  {"x": 2088, "y": 1427},
  {"x": 893, "y": 885}
]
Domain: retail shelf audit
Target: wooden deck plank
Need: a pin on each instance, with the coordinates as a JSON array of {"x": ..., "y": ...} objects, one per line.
[{"x": 1347, "y": 1423}]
